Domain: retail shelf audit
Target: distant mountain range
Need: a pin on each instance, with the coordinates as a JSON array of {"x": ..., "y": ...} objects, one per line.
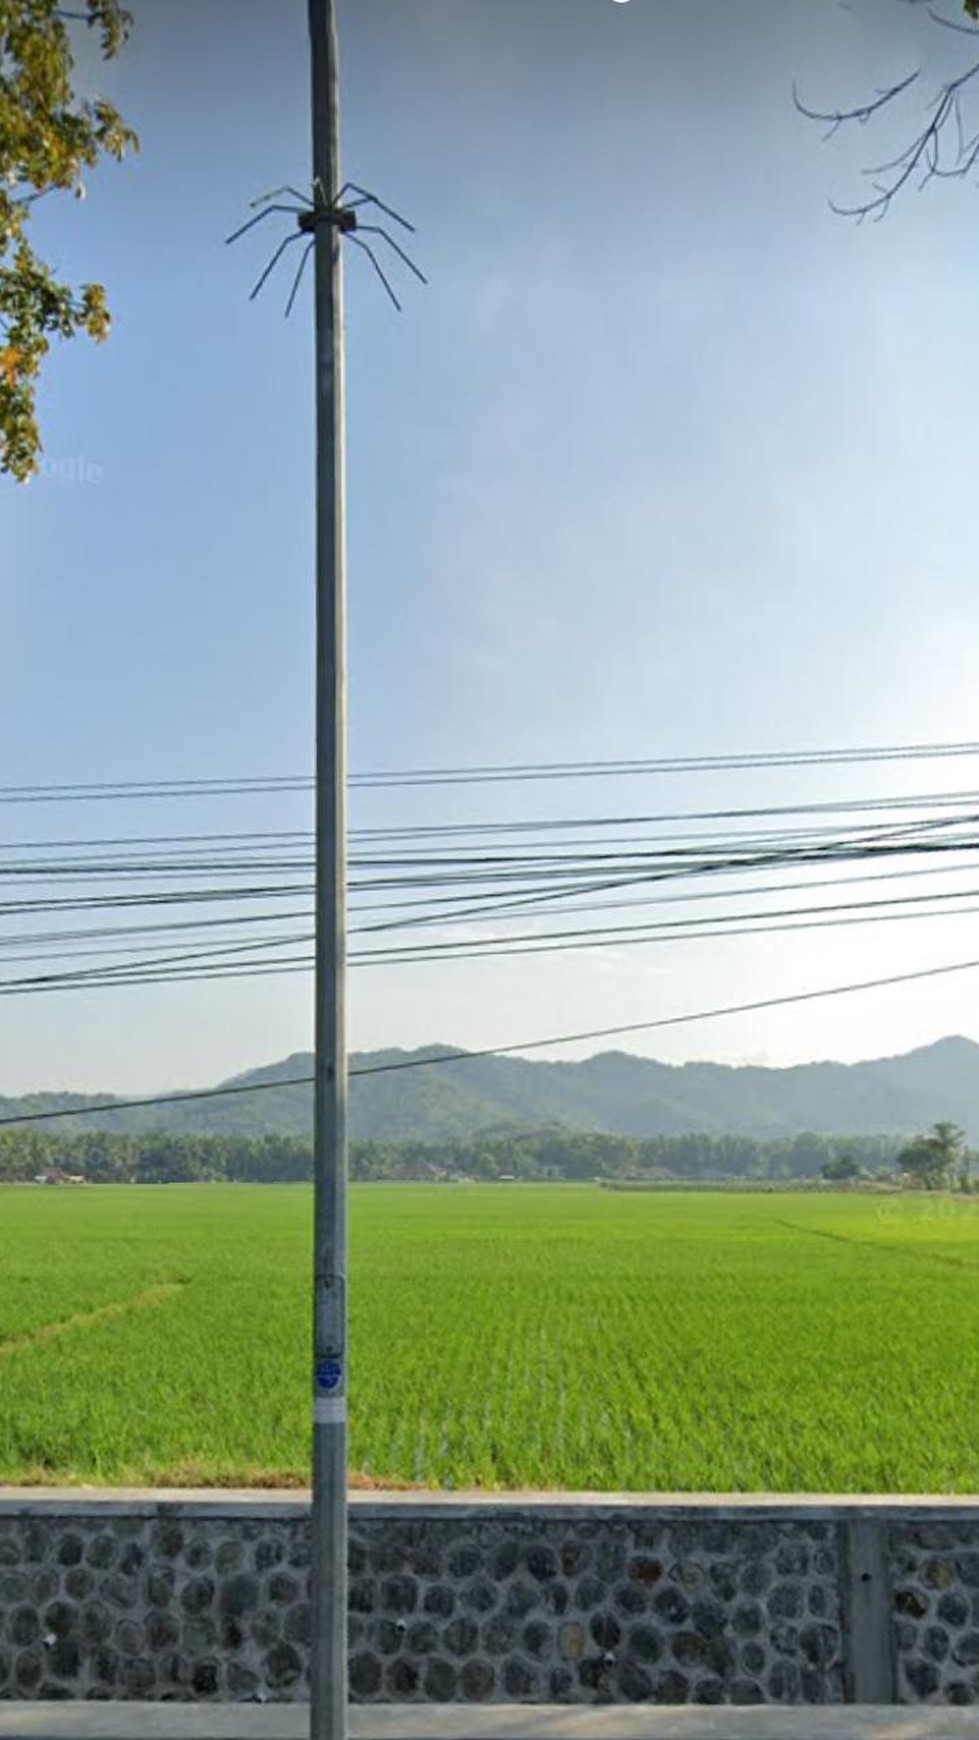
[{"x": 613, "y": 1092}]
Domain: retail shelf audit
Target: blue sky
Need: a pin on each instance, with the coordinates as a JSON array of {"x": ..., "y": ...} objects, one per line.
[{"x": 666, "y": 460}]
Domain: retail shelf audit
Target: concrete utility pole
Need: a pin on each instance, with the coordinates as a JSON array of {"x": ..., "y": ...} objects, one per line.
[{"x": 328, "y": 1658}]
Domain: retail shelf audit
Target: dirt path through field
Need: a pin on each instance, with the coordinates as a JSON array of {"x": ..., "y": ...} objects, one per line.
[
  {"x": 85, "y": 1319},
  {"x": 894, "y": 1250}
]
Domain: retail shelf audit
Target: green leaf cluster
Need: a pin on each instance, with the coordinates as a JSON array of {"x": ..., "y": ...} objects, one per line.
[
  {"x": 48, "y": 138},
  {"x": 157, "y": 1156},
  {"x": 936, "y": 1160}
]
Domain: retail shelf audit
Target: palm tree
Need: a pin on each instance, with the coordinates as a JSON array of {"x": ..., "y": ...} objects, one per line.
[{"x": 931, "y": 1160}]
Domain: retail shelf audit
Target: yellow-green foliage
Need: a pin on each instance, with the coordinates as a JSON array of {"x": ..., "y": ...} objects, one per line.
[
  {"x": 48, "y": 137},
  {"x": 548, "y": 1336}
]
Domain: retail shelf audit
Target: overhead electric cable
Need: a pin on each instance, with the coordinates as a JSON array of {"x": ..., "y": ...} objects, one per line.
[
  {"x": 681, "y": 925},
  {"x": 913, "y": 800},
  {"x": 119, "y": 938},
  {"x": 135, "y": 940},
  {"x": 193, "y": 965},
  {"x": 572, "y": 904},
  {"x": 245, "y": 838},
  {"x": 446, "y": 1058},
  {"x": 501, "y": 888},
  {"x": 515, "y": 772}
]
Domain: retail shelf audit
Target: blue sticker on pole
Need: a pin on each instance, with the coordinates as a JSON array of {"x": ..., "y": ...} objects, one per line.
[{"x": 329, "y": 1375}]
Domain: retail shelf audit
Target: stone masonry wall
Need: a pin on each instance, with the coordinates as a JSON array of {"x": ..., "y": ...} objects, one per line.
[
  {"x": 935, "y": 1577},
  {"x": 493, "y": 1600}
]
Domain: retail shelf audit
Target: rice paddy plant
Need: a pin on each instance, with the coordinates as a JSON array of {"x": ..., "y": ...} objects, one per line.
[{"x": 503, "y": 1335}]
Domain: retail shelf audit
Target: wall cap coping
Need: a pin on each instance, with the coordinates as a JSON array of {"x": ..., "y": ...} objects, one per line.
[
  {"x": 147, "y": 1721},
  {"x": 273, "y": 1503}
]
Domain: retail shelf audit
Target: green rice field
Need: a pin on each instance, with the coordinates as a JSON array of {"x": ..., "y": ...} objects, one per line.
[{"x": 501, "y": 1336}]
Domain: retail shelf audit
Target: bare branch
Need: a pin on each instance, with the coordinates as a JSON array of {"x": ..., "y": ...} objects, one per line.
[
  {"x": 862, "y": 113},
  {"x": 952, "y": 24},
  {"x": 922, "y": 160}
]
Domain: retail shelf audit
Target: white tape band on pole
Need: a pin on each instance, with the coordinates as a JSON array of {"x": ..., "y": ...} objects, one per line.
[{"x": 329, "y": 1410}]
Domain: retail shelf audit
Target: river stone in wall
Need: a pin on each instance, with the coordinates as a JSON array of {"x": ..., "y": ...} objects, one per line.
[
  {"x": 477, "y": 1606},
  {"x": 934, "y": 1573}
]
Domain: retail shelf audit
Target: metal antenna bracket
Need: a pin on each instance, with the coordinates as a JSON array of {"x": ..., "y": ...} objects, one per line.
[{"x": 340, "y": 212}]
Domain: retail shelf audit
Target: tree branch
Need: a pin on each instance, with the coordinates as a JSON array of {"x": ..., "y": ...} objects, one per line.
[
  {"x": 927, "y": 157},
  {"x": 862, "y": 113},
  {"x": 49, "y": 137}
]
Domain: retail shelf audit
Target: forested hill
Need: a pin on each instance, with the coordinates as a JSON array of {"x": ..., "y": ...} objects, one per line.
[{"x": 613, "y": 1092}]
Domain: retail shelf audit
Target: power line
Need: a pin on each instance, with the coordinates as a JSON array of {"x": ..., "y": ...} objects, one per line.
[
  {"x": 566, "y": 886},
  {"x": 462, "y": 864},
  {"x": 170, "y": 897},
  {"x": 515, "y": 902},
  {"x": 445, "y": 1058},
  {"x": 245, "y": 839},
  {"x": 190, "y": 967},
  {"x": 113, "y": 939},
  {"x": 680, "y": 1020},
  {"x": 193, "y": 964},
  {"x": 256, "y": 1087},
  {"x": 518, "y": 897},
  {"x": 455, "y": 884},
  {"x": 109, "y": 974},
  {"x": 241, "y": 852},
  {"x": 105, "y": 791},
  {"x": 84, "y": 842},
  {"x": 715, "y": 924},
  {"x": 572, "y": 904},
  {"x": 59, "y": 938},
  {"x": 828, "y": 806},
  {"x": 516, "y": 773},
  {"x": 261, "y": 784},
  {"x": 581, "y": 943}
]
